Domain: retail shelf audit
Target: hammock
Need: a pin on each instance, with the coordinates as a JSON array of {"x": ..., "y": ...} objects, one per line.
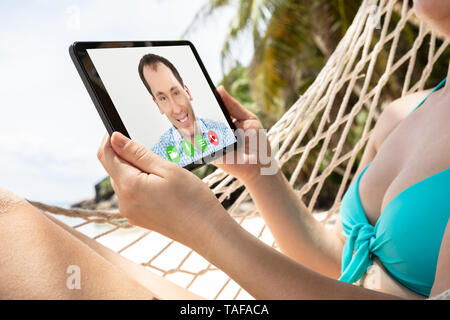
[{"x": 346, "y": 91}]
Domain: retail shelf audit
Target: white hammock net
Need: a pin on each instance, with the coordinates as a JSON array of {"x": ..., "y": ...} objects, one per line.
[{"x": 346, "y": 92}]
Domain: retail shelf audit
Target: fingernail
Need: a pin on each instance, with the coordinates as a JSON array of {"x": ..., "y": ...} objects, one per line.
[{"x": 119, "y": 139}]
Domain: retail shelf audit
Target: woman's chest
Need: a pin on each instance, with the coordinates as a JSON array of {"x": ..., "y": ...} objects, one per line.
[{"x": 418, "y": 148}]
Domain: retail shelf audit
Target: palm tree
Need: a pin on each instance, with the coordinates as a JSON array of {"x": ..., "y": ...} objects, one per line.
[{"x": 291, "y": 41}]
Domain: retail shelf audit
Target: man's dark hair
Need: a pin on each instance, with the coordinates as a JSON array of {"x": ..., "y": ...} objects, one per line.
[{"x": 152, "y": 60}]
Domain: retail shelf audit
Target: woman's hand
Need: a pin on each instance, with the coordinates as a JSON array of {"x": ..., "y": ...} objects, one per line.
[
  {"x": 253, "y": 151},
  {"x": 157, "y": 194}
]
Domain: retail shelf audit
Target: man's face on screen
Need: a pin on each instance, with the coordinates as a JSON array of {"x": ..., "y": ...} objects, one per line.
[{"x": 173, "y": 99}]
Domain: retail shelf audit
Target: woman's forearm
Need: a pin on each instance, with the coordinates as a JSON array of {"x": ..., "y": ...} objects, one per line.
[
  {"x": 266, "y": 273},
  {"x": 298, "y": 234}
]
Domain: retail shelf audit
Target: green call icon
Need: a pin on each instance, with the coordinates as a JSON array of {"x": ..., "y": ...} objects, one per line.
[
  {"x": 201, "y": 142},
  {"x": 173, "y": 154},
  {"x": 188, "y": 148}
]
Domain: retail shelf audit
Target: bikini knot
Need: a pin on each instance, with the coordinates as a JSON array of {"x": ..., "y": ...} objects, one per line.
[{"x": 356, "y": 257}]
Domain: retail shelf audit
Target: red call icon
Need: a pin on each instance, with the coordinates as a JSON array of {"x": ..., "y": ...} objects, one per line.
[{"x": 213, "y": 138}]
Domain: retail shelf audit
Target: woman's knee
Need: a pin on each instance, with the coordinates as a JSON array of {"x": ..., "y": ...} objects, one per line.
[
  {"x": 17, "y": 214},
  {"x": 9, "y": 201}
]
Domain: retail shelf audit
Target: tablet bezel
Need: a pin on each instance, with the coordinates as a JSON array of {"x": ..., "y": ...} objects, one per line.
[{"x": 103, "y": 103}]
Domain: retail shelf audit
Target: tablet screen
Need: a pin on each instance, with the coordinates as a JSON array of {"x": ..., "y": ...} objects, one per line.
[{"x": 164, "y": 101}]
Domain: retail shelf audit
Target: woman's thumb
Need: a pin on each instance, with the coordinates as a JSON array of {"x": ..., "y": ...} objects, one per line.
[
  {"x": 233, "y": 106},
  {"x": 137, "y": 155}
]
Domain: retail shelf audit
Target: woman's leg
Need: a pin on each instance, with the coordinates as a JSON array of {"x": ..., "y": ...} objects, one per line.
[
  {"x": 161, "y": 287},
  {"x": 36, "y": 255}
]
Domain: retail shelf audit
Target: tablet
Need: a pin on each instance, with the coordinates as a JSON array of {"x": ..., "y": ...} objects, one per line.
[{"x": 158, "y": 94}]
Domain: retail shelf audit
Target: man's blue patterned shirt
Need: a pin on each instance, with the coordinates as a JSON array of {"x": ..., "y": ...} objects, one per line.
[{"x": 173, "y": 138}]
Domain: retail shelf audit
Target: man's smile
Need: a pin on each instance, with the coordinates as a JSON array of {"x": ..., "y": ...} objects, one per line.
[{"x": 183, "y": 118}]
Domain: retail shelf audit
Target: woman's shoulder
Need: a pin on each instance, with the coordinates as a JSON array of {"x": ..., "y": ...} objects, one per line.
[
  {"x": 394, "y": 113},
  {"x": 403, "y": 105}
]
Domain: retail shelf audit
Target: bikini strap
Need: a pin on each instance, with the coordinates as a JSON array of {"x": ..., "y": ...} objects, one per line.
[{"x": 440, "y": 85}]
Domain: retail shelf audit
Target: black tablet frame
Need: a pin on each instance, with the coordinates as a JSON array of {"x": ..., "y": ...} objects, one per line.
[{"x": 103, "y": 103}]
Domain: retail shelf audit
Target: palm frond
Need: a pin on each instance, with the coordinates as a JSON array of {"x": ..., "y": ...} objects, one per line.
[
  {"x": 246, "y": 12},
  {"x": 205, "y": 12},
  {"x": 291, "y": 41}
]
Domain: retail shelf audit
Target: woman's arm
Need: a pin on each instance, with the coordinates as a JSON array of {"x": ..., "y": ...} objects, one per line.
[
  {"x": 296, "y": 231},
  {"x": 298, "y": 234},
  {"x": 268, "y": 274}
]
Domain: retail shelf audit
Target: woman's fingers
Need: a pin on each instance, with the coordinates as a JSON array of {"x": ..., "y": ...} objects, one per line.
[
  {"x": 139, "y": 156},
  {"x": 117, "y": 168},
  {"x": 236, "y": 110}
]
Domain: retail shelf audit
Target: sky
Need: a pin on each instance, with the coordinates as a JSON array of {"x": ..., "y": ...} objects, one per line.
[{"x": 49, "y": 128}]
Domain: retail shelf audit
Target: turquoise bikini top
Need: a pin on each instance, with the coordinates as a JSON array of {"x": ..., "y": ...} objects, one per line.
[{"x": 407, "y": 236}]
